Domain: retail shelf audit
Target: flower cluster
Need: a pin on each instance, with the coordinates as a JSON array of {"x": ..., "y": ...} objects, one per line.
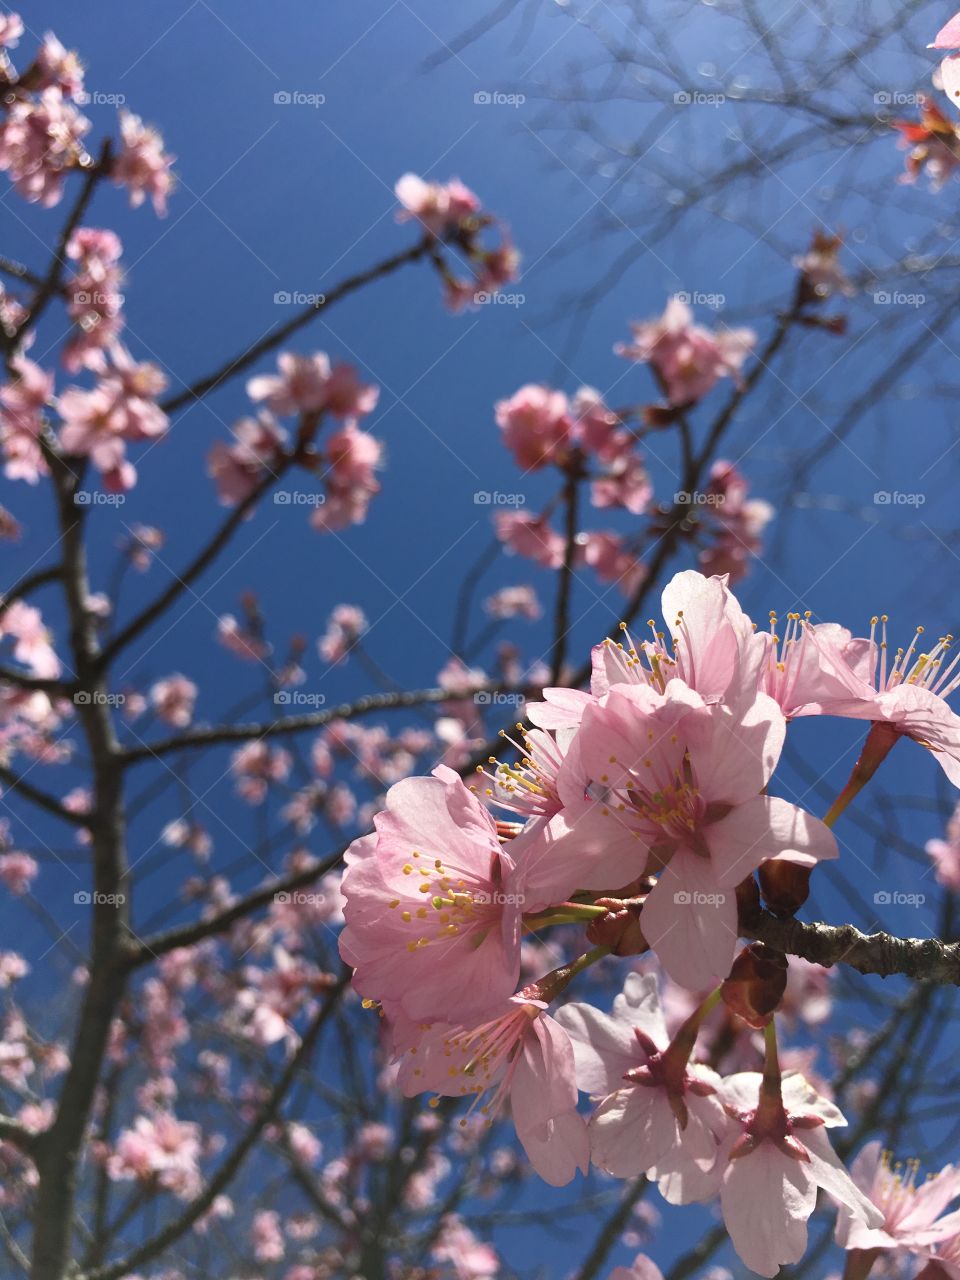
[
  {"x": 452, "y": 214},
  {"x": 645, "y": 812},
  {"x": 310, "y": 388}
]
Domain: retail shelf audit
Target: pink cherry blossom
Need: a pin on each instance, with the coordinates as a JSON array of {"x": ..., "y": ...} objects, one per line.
[
  {"x": 239, "y": 468},
  {"x": 94, "y": 300},
  {"x": 519, "y": 1053},
  {"x": 347, "y": 624},
  {"x": 536, "y": 426},
  {"x": 432, "y": 914},
  {"x": 469, "y": 1257},
  {"x": 173, "y": 699},
  {"x": 142, "y": 164},
  {"x": 438, "y": 206},
  {"x": 240, "y": 640},
  {"x": 33, "y": 642},
  {"x": 514, "y": 602},
  {"x": 57, "y": 67},
  {"x": 310, "y": 384},
  {"x": 40, "y": 141},
  {"x": 530, "y": 536},
  {"x": 912, "y": 1216},
  {"x": 159, "y": 1147},
  {"x": 267, "y": 1236},
  {"x": 22, "y": 405},
  {"x": 657, "y": 1111},
  {"x": 688, "y": 358},
  {"x": 946, "y": 853},
  {"x": 771, "y": 1175},
  {"x": 11, "y": 29},
  {"x": 256, "y": 766},
  {"x": 659, "y": 770},
  {"x": 18, "y": 872}
]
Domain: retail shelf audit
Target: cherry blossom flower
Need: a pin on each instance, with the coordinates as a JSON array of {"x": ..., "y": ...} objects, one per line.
[
  {"x": 470, "y": 1258},
  {"x": 159, "y": 1148},
  {"x": 433, "y": 912},
  {"x": 22, "y": 403},
  {"x": 530, "y": 536},
  {"x": 142, "y": 164},
  {"x": 688, "y": 358},
  {"x": 60, "y": 68},
  {"x": 946, "y": 853},
  {"x": 912, "y": 1216},
  {"x": 514, "y": 602},
  {"x": 18, "y": 872},
  {"x": 774, "y": 1167},
  {"x": 820, "y": 265},
  {"x": 536, "y": 426},
  {"x": 33, "y": 642},
  {"x": 255, "y": 766},
  {"x": 659, "y": 770},
  {"x": 517, "y": 1052},
  {"x": 352, "y": 459},
  {"x": 438, "y": 206},
  {"x": 40, "y": 141},
  {"x": 347, "y": 624},
  {"x": 311, "y": 384},
  {"x": 239, "y": 468},
  {"x": 173, "y": 699},
  {"x": 241, "y": 641},
  {"x": 266, "y": 1236},
  {"x": 11, "y": 29},
  {"x": 658, "y": 1112}
]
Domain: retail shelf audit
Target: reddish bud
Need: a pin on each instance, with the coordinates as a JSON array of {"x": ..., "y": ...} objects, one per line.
[
  {"x": 620, "y": 928},
  {"x": 784, "y": 886},
  {"x": 756, "y": 984}
]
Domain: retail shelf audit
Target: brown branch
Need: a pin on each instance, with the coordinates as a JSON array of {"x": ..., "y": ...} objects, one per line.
[
  {"x": 880, "y": 954},
  {"x": 367, "y": 705},
  {"x": 40, "y": 798}
]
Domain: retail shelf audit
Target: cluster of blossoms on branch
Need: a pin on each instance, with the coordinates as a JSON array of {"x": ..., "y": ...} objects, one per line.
[
  {"x": 933, "y": 142},
  {"x": 588, "y": 441},
  {"x": 642, "y": 810}
]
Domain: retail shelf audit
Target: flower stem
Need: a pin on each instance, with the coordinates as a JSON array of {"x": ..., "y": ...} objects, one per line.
[{"x": 879, "y": 740}]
